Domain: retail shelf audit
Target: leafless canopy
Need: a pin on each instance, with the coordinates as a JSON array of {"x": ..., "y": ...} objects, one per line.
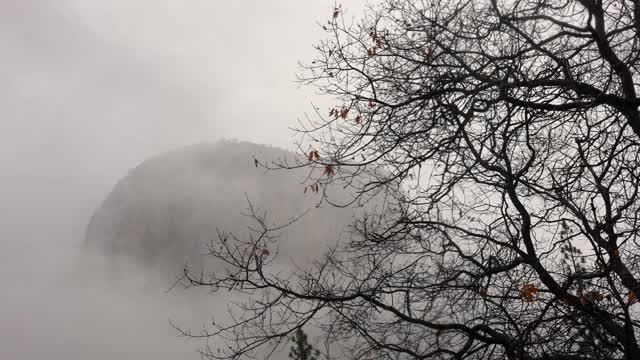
[{"x": 505, "y": 138}]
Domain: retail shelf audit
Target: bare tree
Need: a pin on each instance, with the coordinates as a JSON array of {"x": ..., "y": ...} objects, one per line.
[{"x": 504, "y": 136}]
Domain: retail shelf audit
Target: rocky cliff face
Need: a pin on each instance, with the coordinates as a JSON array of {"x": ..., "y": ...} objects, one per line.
[{"x": 166, "y": 210}]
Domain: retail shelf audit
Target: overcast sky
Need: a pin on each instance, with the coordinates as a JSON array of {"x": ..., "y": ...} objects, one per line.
[
  {"x": 89, "y": 89},
  {"x": 92, "y": 88}
]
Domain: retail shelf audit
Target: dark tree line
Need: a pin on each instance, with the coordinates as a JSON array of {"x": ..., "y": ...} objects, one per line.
[{"x": 504, "y": 139}]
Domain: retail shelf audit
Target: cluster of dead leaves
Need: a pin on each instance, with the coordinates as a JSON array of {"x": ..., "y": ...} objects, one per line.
[
  {"x": 374, "y": 36},
  {"x": 591, "y": 296},
  {"x": 313, "y": 154},
  {"x": 377, "y": 43},
  {"x": 528, "y": 291},
  {"x": 339, "y": 113},
  {"x": 596, "y": 296},
  {"x": 313, "y": 187},
  {"x": 263, "y": 252},
  {"x": 343, "y": 113}
]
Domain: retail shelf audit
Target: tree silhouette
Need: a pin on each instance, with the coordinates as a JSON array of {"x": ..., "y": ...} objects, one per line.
[
  {"x": 504, "y": 139},
  {"x": 301, "y": 349}
]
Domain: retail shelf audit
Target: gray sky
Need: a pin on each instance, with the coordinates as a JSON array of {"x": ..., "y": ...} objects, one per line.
[{"x": 92, "y": 88}]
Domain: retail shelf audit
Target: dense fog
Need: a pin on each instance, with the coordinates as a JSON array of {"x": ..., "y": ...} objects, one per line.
[{"x": 92, "y": 90}]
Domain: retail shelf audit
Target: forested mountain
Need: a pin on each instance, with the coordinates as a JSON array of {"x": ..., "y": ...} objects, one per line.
[{"x": 166, "y": 211}]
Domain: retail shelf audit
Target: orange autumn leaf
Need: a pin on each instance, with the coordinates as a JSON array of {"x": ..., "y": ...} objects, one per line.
[
  {"x": 528, "y": 291},
  {"x": 328, "y": 169},
  {"x": 632, "y": 297},
  {"x": 615, "y": 252}
]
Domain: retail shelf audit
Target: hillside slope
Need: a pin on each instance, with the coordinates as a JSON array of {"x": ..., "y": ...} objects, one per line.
[{"x": 165, "y": 211}]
